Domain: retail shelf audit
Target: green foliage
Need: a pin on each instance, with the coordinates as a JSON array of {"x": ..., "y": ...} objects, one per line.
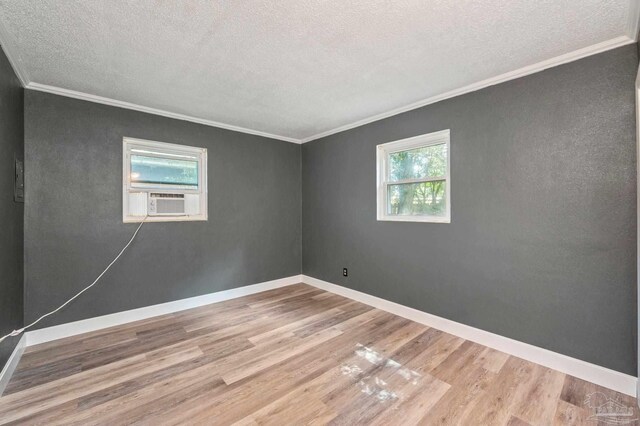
[{"x": 423, "y": 198}]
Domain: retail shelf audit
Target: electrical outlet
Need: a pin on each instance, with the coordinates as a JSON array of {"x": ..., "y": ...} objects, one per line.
[{"x": 345, "y": 272}]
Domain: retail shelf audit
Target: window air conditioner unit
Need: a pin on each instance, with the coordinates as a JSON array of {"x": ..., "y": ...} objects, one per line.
[
  {"x": 166, "y": 204},
  {"x": 163, "y": 182}
]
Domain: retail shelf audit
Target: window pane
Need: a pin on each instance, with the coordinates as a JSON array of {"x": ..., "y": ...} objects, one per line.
[
  {"x": 166, "y": 171},
  {"x": 416, "y": 199},
  {"x": 425, "y": 162}
]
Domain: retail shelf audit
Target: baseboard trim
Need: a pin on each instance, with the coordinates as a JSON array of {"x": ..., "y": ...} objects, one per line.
[
  {"x": 602, "y": 376},
  {"x": 12, "y": 363},
  {"x": 97, "y": 323}
]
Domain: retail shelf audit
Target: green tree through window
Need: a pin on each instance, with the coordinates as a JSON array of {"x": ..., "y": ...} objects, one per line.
[{"x": 418, "y": 198}]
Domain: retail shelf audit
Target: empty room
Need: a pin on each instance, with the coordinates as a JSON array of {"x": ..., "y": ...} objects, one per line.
[{"x": 354, "y": 212}]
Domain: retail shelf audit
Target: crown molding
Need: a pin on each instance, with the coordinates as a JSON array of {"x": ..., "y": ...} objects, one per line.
[
  {"x": 632, "y": 26},
  {"x": 12, "y": 52},
  {"x": 128, "y": 105},
  {"x": 511, "y": 75}
]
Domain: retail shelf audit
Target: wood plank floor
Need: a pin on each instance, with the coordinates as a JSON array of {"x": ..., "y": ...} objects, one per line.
[{"x": 294, "y": 355}]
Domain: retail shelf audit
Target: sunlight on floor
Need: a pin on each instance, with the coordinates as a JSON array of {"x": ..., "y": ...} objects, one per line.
[{"x": 386, "y": 371}]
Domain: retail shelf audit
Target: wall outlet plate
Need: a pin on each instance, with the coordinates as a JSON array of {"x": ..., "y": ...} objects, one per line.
[{"x": 18, "y": 184}]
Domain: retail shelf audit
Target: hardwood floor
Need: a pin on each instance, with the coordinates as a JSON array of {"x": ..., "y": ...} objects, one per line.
[{"x": 295, "y": 355}]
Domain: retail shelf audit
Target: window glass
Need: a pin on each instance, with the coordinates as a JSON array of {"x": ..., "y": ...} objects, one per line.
[
  {"x": 419, "y": 163},
  {"x": 163, "y": 171},
  {"x": 417, "y": 199},
  {"x": 414, "y": 179}
]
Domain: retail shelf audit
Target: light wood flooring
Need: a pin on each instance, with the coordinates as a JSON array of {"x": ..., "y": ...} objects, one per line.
[{"x": 294, "y": 355}]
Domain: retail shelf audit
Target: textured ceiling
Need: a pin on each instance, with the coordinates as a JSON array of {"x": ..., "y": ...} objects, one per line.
[{"x": 292, "y": 68}]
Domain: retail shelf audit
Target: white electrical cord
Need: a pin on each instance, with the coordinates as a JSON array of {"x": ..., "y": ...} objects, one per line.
[{"x": 20, "y": 330}]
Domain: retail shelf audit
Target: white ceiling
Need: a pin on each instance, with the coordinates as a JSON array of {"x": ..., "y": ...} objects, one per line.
[{"x": 296, "y": 69}]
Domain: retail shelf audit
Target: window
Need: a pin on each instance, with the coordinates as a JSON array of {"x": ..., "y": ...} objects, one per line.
[
  {"x": 165, "y": 182},
  {"x": 413, "y": 179},
  {"x": 147, "y": 170}
]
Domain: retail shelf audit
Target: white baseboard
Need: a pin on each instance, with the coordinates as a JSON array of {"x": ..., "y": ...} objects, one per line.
[
  {"x": 602, "y": 376},
  {"x": 12, "y": 363},
  {"x": 92, "y": 324}
]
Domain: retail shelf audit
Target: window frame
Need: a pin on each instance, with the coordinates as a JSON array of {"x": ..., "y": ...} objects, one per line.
[
  {"x": 163, "y": 150},
  {"x": 382, "y": 172}
]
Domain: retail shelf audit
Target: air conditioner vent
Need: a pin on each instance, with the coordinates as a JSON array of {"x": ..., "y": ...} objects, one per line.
[
  {"x": 162, "y": 195},
  {"x": 166, "y": 204}
]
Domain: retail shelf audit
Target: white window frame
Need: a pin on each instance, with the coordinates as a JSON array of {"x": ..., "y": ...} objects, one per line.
[
  {"x": 383, "y": 151},
  {"x": 166, "y": 149}
]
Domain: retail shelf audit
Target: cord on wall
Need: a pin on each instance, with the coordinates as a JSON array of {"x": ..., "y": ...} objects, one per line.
[{"x": 20, "y": 330}]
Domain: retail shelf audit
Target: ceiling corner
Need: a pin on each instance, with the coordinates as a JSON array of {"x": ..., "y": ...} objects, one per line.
[
  {"x": 8, "y": 46},
  {"x": 633, "y": 20}
]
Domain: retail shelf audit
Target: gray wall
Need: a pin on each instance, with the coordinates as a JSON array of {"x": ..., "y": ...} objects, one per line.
[
  {"x": 542, "y": 242},
  {"x": 541, "y": 247},
  {"x": 73, "y": 215},
  {"x": 11, "y": 231}
]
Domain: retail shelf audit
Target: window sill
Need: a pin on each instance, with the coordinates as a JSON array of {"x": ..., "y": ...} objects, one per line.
[
  {"x": 427, "y": 219},
  {"x": 138, "y": 219}
]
